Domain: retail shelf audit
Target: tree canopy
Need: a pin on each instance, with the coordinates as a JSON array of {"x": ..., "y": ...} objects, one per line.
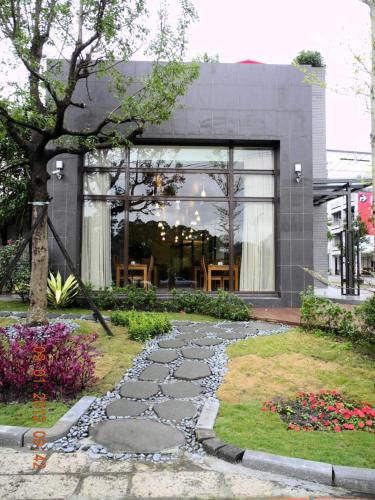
[{"x": 59, "y": 43}]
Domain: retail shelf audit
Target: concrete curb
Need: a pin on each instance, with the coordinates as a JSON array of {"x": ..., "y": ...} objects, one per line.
[
  {"x": 23, "y": 436},
  {"x": 357, "y": 479}
]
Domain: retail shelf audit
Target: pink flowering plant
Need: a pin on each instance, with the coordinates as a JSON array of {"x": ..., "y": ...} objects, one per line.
[
  {"x": 323, "y": 411},
  {"x": 69, "y": 362}
]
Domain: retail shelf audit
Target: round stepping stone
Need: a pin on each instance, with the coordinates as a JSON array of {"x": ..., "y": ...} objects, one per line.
[
  {"x": 208, "y": 341},
  {"x": 163, "y": 356},
  {"x": 265, "y": 327},
  {"x": 232, "y": 335},
  {"x": 124, "y": 408},
  {"x": 181, "y": 390},
  {"x": 133, "y": 435},
  {"x": 175, "y": 410},
  {"x": 197, "y": 353},
  {"x": 138, "y": 390},
  {"x": 154, "y": 372},
  {"x": 191, "y": 336},
  {"x": 192, "y": 370},
  {"x": 172, "y": 343}
]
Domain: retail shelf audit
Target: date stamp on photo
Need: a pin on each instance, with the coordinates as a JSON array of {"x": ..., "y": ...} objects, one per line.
[{"x": 39, "y": 406}]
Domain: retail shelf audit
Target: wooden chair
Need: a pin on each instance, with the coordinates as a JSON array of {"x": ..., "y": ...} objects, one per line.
[
  {"x": 237, "y": 262},
  {"x": 216, "y": 279}
]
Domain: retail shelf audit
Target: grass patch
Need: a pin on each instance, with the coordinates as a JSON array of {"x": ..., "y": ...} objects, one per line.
[{"x": 279, "y": 366}]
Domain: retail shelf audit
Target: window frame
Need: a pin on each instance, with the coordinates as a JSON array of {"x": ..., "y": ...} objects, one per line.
[{"x": 230, "y": 198}]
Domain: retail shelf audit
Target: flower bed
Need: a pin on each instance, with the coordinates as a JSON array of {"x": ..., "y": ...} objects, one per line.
[
  {"x": 323, "y": 411},
  {"x": 67, "y": 360}
]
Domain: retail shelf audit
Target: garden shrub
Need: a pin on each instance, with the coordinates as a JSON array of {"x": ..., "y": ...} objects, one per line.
[
  {"x": 19, "y": 281},
  {"x": 323, "y": 314},
  {"x": 366, "y": 318},
  {"x": 67, "y": 360},
  {"x": 323, "y": 411},
  {"x": 129, "y": 297},
  {"x": 224, "y": 305},
  {"x": 142, "y": 325}
]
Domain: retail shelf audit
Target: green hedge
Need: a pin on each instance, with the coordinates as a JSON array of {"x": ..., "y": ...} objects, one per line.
[
  {"x": 321, "y": 313},
  {"x": 223, "y": 305},
  {"x": 142, "y": 325}
]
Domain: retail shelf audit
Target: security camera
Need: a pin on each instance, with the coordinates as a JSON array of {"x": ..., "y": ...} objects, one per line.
[{"x": 58, "y": 174}]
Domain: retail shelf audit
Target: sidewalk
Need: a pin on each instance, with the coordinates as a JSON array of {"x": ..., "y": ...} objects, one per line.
[
  {"x": 285, "y": 315},
  {"x": 77, "y": 476}
]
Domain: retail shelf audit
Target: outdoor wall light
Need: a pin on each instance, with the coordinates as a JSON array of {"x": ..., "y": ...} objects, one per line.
[
  {"x": 298, "y": 172},
  {"x": 59, "y": 166}
]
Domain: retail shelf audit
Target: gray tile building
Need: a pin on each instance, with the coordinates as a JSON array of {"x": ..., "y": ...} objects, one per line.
[{"x": 209, "y": 199}]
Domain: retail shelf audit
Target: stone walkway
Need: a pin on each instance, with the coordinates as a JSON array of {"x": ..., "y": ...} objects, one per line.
[{"x": 152, "y": 412}]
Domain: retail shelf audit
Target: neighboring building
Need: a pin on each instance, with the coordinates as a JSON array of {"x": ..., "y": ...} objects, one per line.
[
  {"x": 350, "y": 165},
  {"x": 212, "y": 193}
]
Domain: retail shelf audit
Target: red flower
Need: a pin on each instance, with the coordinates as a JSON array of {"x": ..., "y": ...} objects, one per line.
[
  {"x": 296, "y": 428},
  {"x": 334, "y": 421},
  {"x": 361, "y": 425},
  {"x": 349, "y": 427},
  {"x": 273, "y": 409},
  {"x": 369, "y": 423},
  {"x": 338, "y": 428},
  {"x": 304, "y": 402},
  {"x": 331, "y": 408}
]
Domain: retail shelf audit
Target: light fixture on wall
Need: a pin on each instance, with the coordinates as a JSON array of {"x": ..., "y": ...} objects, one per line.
[
  {"x": 59, "y": 166},
  {"x": 298, "y": 172}
]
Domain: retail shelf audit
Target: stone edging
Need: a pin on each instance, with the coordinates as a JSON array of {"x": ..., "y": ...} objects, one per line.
[
  {"x": 22, "y": 436},
  {"x": 352, "y": 478}
]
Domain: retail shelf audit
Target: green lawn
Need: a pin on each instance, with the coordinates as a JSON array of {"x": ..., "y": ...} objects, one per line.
[
  {"x": 118, "y": 353},
  {"x": 279, "y": 366}
]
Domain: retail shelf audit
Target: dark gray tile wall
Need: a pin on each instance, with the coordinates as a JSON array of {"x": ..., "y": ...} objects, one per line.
[{"x": 229, "y": 103}]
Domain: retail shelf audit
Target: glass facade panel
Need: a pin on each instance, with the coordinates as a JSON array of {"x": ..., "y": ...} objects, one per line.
[
  {"x": 106, "y": 158},
  {"x": 178, "y": 184},
  {"x": 254, "y": 246},
  {"x": 176, "y": 157},
  {"x": 253, "y": 159},
  {"x": 102, "y": 242},
  {"x": 181, "y": 239},
  {"x": 254, "y": 186},
  {"x": 151, "y": 234},
  {"x": 104, "y": 183}
]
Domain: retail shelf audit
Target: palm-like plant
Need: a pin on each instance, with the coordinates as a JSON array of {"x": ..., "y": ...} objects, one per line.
[{"x": 59, "y": 294}]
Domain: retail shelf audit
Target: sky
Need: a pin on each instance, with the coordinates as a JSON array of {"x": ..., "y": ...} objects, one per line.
[{"x": 275, "y": 31}]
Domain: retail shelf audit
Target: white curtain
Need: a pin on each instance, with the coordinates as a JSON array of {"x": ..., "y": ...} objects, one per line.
[
  {"x": 96, "y": 232},
  {"x": 257, "y": 273}
]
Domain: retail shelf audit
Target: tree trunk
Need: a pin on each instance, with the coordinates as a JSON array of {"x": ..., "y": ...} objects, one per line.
[{"x": 39, "y": 256}]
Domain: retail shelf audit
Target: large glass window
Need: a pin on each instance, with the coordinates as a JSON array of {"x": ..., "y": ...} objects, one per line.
[
  {"x": 181, "y": 240},
  {"x": 176, "y": 157},
  {"x": 163, "y": 216},
  {"x": 103, "y": 232},
  {"x": 178, "y": 184},
  {"x": 254, "y": 246}
]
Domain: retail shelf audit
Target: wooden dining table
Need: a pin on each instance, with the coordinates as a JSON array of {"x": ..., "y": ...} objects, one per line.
[
  {"x": 131, "y": 267},
  {"x": 223, "y": 268}
]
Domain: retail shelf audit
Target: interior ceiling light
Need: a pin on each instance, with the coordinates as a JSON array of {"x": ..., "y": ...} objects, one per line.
[{"x": 203, "y": 193}]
